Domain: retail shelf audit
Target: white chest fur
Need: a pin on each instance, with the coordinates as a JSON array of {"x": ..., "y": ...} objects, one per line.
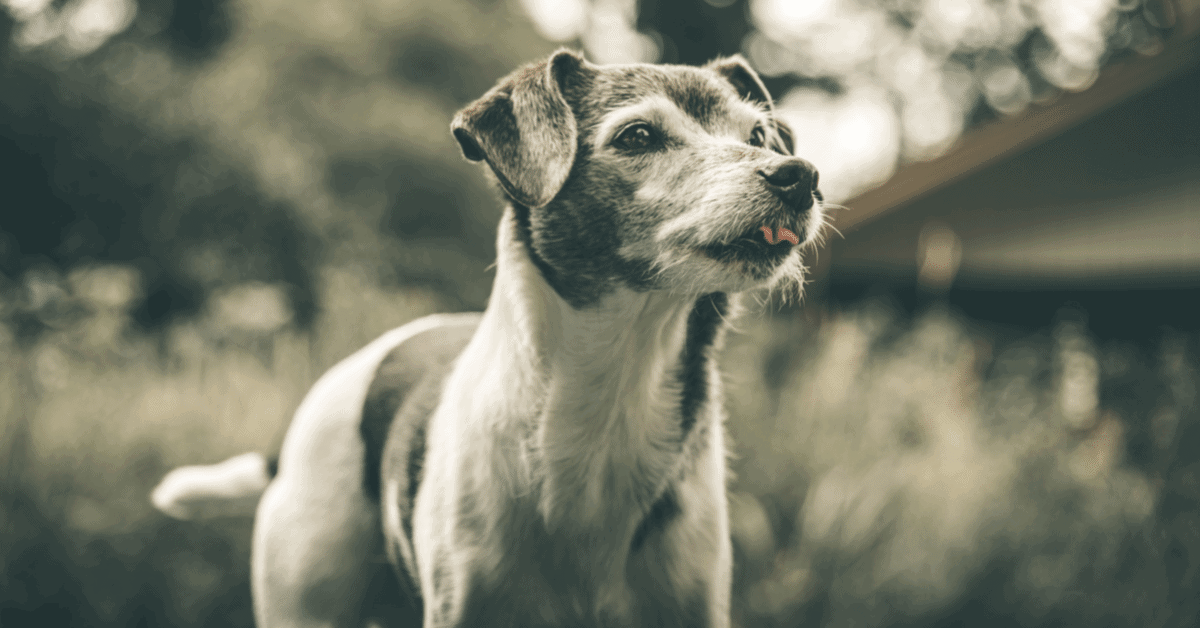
[
  {"x": 610, "y": 430},
  {"x": 556, "y": 432}
]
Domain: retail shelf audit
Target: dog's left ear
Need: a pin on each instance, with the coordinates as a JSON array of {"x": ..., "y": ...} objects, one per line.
[
  {"x": 745, "y": 80},
  {"x": 525, "y": 129}
]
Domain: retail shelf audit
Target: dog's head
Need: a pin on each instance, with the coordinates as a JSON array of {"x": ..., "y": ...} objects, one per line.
[{"x": 653, "y": 176}]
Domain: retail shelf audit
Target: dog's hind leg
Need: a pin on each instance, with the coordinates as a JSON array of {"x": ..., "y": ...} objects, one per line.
[
  {"x": 317, "y": 537},
  {"x": 318, "y": 543},
  {"x": 316, "y": 554}
]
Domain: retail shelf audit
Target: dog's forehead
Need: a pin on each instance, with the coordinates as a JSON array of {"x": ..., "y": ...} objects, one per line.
[{"x": 699, "y": 93}]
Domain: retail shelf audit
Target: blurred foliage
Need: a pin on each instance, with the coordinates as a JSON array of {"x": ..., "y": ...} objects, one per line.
[
  {"x": 216, "y": 143},
  {"x": 890, "y": 470},
  {"x": 925, "y": 471},
  {"x": 209, "y": 202},
  {"x": 871, "y": 84},
  {"x": 95, "y": 412}
]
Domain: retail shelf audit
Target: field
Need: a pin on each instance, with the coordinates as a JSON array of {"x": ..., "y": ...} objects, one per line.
[{"x": 892, "y": 470}]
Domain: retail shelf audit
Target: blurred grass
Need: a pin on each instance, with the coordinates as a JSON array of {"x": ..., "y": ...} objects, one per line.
[
  {"x": 891, "y": 471},
  {"x": 928, "y": 471},
  {"x": 94, "y": 412}
]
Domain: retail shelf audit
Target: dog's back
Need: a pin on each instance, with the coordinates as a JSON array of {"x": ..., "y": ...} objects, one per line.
[
  {"x": 371, "y": 406},
  {"x": 319, "y": 548}
]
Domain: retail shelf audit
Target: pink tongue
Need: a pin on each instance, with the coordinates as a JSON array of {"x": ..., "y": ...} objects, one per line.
[
  {"x": 784, "y": 235},
  {"x": 768, "y": 235}
]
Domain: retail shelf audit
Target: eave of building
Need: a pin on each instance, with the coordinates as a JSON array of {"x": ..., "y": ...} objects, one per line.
[
  {"x": 1097, "y": 188},
  {"x": 1000, "y": 139}
]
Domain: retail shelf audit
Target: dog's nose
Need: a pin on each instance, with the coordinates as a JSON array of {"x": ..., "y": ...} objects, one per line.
[{"x": 793, "y": 181}]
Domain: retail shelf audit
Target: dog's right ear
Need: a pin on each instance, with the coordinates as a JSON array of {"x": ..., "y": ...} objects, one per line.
[
  {"x": 749, "y": 86},
  {"x": 744, "y": 79},
  {"x": 525, "y": 129}
]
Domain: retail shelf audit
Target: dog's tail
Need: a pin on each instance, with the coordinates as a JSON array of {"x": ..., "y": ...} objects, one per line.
[{"x": 226, "y": 489}]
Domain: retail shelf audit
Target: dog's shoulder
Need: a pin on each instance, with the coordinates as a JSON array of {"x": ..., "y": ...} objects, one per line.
[{"x": 408, "y": 369}]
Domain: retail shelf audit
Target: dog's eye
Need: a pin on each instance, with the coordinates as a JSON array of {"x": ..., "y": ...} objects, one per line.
[
  {"x": 637, "y": 137},
  {"x": 758, "y": 137}
]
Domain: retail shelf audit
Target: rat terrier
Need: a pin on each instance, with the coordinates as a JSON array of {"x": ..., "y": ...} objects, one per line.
[{"x": 559, "y": 459}]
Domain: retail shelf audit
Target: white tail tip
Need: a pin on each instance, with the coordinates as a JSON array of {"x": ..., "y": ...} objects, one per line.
[{"x": 226, "y": 489}]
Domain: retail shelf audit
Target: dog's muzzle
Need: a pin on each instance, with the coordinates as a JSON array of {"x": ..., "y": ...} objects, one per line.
[
  {"x": 793, "y": 181},
  {"x": 766, "y": 244}
]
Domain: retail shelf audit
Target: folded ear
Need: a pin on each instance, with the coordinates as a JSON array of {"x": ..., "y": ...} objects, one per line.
[
  {"x": 745, "y": 80},
  {"x": 525, "y": 129}
]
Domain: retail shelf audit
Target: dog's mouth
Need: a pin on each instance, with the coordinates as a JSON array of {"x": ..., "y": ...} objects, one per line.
[{"x": 764, "y": 245}]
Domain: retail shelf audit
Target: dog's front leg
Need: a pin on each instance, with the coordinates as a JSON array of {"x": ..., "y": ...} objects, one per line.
[{"x": 685, "y": 568}]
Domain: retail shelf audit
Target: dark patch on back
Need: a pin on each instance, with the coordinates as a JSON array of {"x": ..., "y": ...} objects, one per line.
[
  {"x": 416, "y": 463},
  {"x": 405, "y": 368},
  {"x": 704, "y": 321},
  {"x": 401, "y": 400}
]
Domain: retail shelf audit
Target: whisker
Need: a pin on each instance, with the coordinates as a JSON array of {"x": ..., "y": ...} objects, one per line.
[{"x": 836, "y": 230}]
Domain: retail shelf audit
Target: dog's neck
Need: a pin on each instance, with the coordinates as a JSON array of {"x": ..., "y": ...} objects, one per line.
[{"x": 599, "y": 401}]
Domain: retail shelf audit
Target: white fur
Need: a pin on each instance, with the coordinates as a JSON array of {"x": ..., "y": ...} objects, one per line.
[
  {"x": 226, "y": 489},
  {"x": 569, "y": 425},
  {"x": 317, "y": 539},
  {"x": 708, "y": 193}
]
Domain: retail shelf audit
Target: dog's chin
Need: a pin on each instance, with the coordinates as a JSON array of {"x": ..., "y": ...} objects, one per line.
[
  {"x": 735, "y": 267},
  {"x": 762, "y": 257},
  {"x": 754, "y": 257}
]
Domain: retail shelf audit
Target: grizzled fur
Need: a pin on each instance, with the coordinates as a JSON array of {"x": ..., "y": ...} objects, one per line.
[
  {"x": 560, "y": 459},
  {"x": 594, "y": 495},
  {"x": 589, "y": 237}
]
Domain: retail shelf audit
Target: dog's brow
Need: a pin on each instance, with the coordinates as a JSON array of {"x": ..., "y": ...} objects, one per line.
[
  {"x": 748, "y": 112},
  {"x": 698, "y": 98},
  {"x": 653, "y": 109}
]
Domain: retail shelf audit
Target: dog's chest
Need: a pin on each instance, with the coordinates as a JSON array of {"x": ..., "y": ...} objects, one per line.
[
  {"x": 603, "y": 578},
  {"x": 555, "y": 464},
  {"x": 612, "y": 453},
  {"x": 611, "y": 429}
]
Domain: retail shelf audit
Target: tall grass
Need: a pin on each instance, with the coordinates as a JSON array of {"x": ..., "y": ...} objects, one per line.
[
  {"x": 93, "y": 413},
  {"x": 922, "y": 471},
  {"x": 891, "y": 470}
]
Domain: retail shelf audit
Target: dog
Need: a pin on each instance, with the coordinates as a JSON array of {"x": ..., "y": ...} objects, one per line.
[{"x": 560, "y": 458}]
